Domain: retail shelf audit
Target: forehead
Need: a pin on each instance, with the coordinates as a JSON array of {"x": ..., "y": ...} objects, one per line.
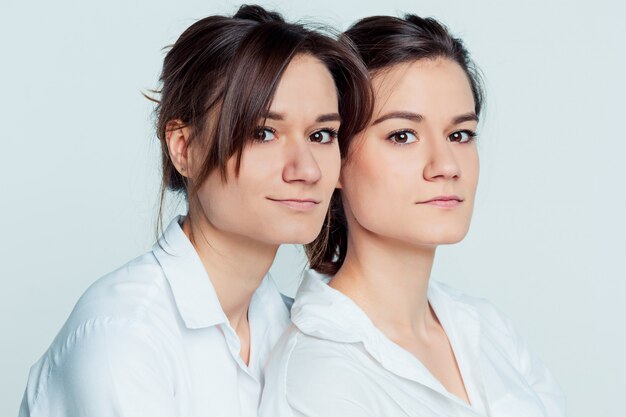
[
  {"x": 306, "y": 86},
  {"x": 428, "y": 87}
]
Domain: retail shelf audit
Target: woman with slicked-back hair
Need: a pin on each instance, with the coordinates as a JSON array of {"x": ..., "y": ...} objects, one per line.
[
  {"x": 372, "y": 335},
  {"x": 253, "y": 116}
]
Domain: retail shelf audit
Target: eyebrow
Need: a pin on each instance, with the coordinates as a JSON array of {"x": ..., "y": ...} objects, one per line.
[
  {"x": 467, "y": 117},
  {"x": 328, "y": 117},
  {"x": 414, "y": 117}
]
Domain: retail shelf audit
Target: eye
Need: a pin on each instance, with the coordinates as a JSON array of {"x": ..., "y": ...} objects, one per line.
[
  {"x": 462, "y": 136},
  {"x": 403, "y": 137},
  {"x": 264, "y": 134},
  {"x": 323, "y": 136}
]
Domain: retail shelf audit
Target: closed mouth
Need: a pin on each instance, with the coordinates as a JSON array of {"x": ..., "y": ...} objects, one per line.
[
  {"x": 442, "y": 198},
  {"x": 444, "y": 202},
  {"x": 299, "y": 204}
]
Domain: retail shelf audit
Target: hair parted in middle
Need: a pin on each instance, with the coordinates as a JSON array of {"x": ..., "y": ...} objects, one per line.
[
  {"x": 219, "y": 78},
  {"x": 382, "y": 42}
]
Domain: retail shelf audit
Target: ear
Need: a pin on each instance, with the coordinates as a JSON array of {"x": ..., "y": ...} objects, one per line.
[{"x": 177, "y": 138}]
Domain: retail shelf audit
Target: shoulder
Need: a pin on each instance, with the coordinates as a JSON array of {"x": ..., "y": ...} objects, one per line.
[
  {"x": 98, "y": 361},
  {"x": 134, "y": 298},
  {"x": 321, "y": 376},
  {"x": 118, "y": 328},
  {"x": 136, "y": 292},
  {"x": 297, "y": 354}
]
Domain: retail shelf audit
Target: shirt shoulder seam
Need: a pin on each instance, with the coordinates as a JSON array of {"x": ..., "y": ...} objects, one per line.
[{"x": 67, "y": 347}]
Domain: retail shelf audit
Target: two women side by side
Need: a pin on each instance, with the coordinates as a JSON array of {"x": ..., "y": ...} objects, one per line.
[{"x": 271, "y": 132}]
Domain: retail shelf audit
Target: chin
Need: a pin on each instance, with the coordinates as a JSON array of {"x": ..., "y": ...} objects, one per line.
[
  {"x": 447, "y": 237},
  {"x": 434, "y": 236},
  {"x": 297, "y": 235},
  {"x": 450, "y": 241}
]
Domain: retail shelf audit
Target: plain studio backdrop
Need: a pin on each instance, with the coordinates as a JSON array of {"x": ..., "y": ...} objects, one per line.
[{"x": 80, "y": 169}]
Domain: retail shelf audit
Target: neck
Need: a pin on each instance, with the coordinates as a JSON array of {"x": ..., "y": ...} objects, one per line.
[
  {"x": 235, "y": 264},
  {"x": 388, "y": 279}
]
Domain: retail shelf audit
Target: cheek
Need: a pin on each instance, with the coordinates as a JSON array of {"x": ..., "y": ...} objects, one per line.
[
  {"x": 470, "y": 169},
  {"x": 260, "y": 168},
  {"x": 253, "y": 158},
  {"x": 329, "y": 162},
  {"x": 384, "y": 173},
  {"x": 377, "y": 184},
  {"x": 216, "y": 195},
  {"x": 224, "y": 203}
]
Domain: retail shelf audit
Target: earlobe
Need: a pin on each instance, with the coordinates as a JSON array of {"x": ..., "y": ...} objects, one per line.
[
  {"x": 177, "y": 139},
  {"x": 339, "y": 186}
]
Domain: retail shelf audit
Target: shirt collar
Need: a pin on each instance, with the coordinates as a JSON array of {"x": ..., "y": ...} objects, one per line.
[
  {"x": 326, "y": 313},
  {"x": 317, "y": 307},
  {"x": 193, "y": 291}
]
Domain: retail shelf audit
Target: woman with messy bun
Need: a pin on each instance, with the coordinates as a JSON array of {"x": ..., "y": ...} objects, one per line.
[
  {"x": 372, "y": 334},
  {"x": 253, "y": 116}
]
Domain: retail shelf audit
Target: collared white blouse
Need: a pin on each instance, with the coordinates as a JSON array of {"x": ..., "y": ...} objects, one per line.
[
  {"x": 333, "y": 362},
  {"x": 151, "y": 339}
]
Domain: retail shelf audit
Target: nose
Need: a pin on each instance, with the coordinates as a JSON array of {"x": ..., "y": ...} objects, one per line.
[
  {"x": 441, "y": 162},
  {"x": 300, "y": 163}
]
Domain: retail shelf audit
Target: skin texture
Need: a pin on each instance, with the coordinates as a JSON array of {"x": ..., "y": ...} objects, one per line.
[
  {"x": 237, "y": 225},
  {"x": 388, "y": 178}
]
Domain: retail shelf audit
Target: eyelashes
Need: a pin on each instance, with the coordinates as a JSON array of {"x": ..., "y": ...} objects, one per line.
[
  {"x": 462, "y": 136},
  {"x": 325, "y": 135},
  {"x": 402, "y": 137},
  {"x": 267, "y": 134},
  {"x": 264, "y": 134},
  {"x": 407, "y": 136}
]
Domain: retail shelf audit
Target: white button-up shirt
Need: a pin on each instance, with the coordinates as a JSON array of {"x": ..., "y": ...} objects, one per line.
[
  {"x": 151, "y": 339},
  {"x": 333, "y": 362}
]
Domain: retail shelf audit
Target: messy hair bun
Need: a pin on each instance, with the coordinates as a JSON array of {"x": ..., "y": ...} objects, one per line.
[{"x": 258, "y": 14}]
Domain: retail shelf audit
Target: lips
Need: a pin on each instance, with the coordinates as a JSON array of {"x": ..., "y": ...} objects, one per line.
[
  {"x": 300, "y": 204},
  {"x": 444, "y": 201}
]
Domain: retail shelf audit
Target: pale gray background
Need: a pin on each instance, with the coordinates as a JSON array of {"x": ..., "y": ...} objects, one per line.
[{"x": 80, "y": 169}]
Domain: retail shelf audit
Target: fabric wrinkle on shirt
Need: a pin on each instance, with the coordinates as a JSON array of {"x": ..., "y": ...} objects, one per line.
[
  {"x": 333, "y": 361},
  {"x": 151, "y": 339}
]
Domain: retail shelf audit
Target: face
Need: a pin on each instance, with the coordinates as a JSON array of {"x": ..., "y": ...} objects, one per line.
[
  {"x": 290, "y": 169},
  {"x": 412, "y": 174}
]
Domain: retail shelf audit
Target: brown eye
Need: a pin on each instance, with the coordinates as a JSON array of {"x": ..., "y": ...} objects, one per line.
[
  {"x": 323, "y": 136},
  {"x": 264, "y": 134},
  {"x": 403, "y": 137},
  {"x": 462, "y": 136}
]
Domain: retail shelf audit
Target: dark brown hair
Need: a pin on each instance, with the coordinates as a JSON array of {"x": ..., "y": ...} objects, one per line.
[
  {"x": 220, "y": 76},
  {"x": 382, "y": 42}
]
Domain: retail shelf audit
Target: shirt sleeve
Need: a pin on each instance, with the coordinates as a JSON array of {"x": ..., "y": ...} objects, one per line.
[{"x": 104, "y": 368}]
